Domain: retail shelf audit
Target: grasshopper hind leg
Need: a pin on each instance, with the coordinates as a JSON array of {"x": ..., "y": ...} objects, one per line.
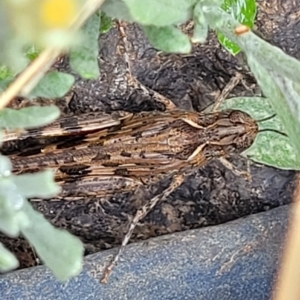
[{"x": 140, "y": 214}]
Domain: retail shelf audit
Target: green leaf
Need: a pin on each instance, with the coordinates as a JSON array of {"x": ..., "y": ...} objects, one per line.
[
  {"x": 228, "y": 44},
  {"x": 287, "y": 112},
  {"x": 5, "y": 166},
  {"x": 201, "y": 27},
  {"x": 28, "y": 117},
  {"x": 39, "y": 184},
  {"x": 32, "y": 52},
  {"x": 244, "y": 11},
  {"x": 84, "y": 57},
  {"x": 269, "y": 148},
  {"x": 6, "y": 77},
  {"x": 53, "y": 85},
  {"x": 11, "y": 203},
  {"x": 5, "y": 73},
  {"x": 8, "y": 261},
  {"x": 117, "y": 9},
  {"x": 168, "y": 39},
  {"x": 9, "y": 216},
  {"x": 160, "y": 12},
  {"x": 58, "y": 249},
  {"x": 105, "y": 23}
]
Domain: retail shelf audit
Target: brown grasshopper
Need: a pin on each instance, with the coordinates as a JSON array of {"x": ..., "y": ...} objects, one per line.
[
  {"x": 125, "y": 151},
  {"x": 137, "y": 148}
]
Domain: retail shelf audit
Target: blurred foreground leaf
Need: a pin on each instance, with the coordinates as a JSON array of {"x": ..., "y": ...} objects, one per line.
[
  {"x": 84, "y": 57},
  {"x": 117, "y": 9},
  {"x": 53, "y": 85},
  {"x": 160, "y": 13},
  {"x": 37, "y": 185},
  {"x": 28, "y": 117},
  {"x": 58, "y": 249},
  {"x": 168, "y": 39},
  {"x": 8, "y": 261}
]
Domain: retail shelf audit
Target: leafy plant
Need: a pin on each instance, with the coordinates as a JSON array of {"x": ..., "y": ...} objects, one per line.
[{"x": 276, "y": 72}]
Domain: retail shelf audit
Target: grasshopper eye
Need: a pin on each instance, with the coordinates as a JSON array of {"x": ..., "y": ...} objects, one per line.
[{"x": 238, "y": 116}]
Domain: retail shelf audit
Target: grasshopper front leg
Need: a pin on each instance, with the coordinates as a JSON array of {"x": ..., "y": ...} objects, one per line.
[
  {"x": 233, "y": 82},
  {"x": 132, "y": 80}
]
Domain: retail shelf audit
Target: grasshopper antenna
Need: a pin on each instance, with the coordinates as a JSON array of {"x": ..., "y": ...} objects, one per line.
[
  {"x": 266, "y": 119},
  {"x": 272, "y": 130},
  {"x": 267, "y": 129}
]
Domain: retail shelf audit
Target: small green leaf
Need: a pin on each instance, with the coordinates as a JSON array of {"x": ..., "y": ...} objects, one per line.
[
  {"x": 11, "y": 203},
  {"x": 32, "y": 52},
  {"x": 6, "y": 77},
  {"x": 58, "y": 249},
  {"x": 10, "y": 224},
  {"x": 117, "y": 9},
  {"x": 28, "y": 117},
  {"x": 53, "y": 85},
  {"x": 160, "y": 12},
  {"x": 8, "y": 261},
  {"x": 201, "y": 27},
  {"x": 228, "y": 44},
  {"x": 5, "y": 166},
  {"x": 84, "y": 57},
  {"x": 105, "y": 23},
  {"x": 244, "y": 11},
  {"x": 5, "y": 73},
  {"x": 168, "y": 39},
  {"x": 39, "y": 184}
]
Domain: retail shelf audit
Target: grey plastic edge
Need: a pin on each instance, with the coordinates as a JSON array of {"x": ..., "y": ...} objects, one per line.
[{"x": 236, "y": 260}]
